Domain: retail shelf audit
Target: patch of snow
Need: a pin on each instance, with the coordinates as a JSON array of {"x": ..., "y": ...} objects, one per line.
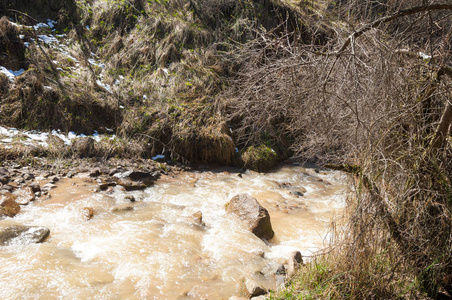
[
  {"x": 87, "y": 27},
  {"x": 166, "y": 71},
  {"x": 21, "y": 36},
  {"x": 145, "y": 97},
  {"x": 35, "y": 137},
  {"x": 10, "y": 73},
  {"x": 121, "y": 107},
  {"x": 424, "y": 56},
  {"x": 96, "y": 137},
  {"x": 95, "y": 63},
  {"x": 159, "y": 156},
  {"x": 40, "y": 25},
  {"x": 48, "y": 39},
  {"x": 104, "y": 85},
  {"x": 51, "y": 23},
  {"x": 27, "y": 44},
  {"x": 70, "y": 57}
]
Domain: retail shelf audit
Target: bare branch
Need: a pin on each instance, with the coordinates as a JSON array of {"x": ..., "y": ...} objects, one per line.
[{"x": 386, "y": 19}]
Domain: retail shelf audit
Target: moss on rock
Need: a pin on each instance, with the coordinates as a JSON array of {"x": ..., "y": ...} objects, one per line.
[{"x": 261, "y": 158}]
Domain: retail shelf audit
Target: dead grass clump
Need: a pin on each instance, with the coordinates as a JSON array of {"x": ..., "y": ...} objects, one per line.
[
  {"x": 121, "y": 148},
  {"x": 23, "y": 154},
  {"x": 38, "y": 102},
  {"x": 4, "y": 85},
  {"x": 12, "y": 53}
]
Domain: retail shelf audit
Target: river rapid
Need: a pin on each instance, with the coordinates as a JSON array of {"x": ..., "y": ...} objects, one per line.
[{"x": 158, "y": 249}]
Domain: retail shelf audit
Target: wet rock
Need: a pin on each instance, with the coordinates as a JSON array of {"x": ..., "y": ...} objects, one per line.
[
  {"x": 295, "y": 262},
  {"x": 48, "y": 187},
  {"x": 19, "y": 180},
  {"x": 146, "y": 178},
  {"x": 249, "y": 210},
  {"x": 4, "y": 179},
  {"x": 130, "y": 198},
  {"x": 4, "y": 171},
  {"x": 136, "y": 180},
  {"x": 83, "y": 146},
  {"x": 23, "y": 235},
  {"x": 112, "y": 172},
  {"x": 25, "y": 195},
  {"x": 130, "y": 185},
  {"x": 54, "y": 179},
  {"x": 259, "y": 253},
  {"x": 285, "y": 185},
  {"x": 105, "y": 183},
  {"x": 197, "y": 218},
  {"x": 95, "y": 173},
  {"x": 297, "y": 193},
  {"x": 122, "y": 208},
  {"x": 48, "y": 174},
  {"x": 254, "y": 289},
  {"x": 8, "y": 205},
  {"x": 88, "y": 212},
  {"x": 281, "y": 270},
  {"x": 35, "y": 187},
  {"x": 28, "y": 176},
  {"x": 8, "y": 188}
]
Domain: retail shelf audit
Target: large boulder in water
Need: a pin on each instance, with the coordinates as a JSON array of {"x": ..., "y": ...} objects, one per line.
[
  {"x": 23, "y": 235},
  {"x": 249, "y": 210}
]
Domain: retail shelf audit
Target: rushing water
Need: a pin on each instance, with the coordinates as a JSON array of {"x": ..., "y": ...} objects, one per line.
[{"x": 157, "y": 250}]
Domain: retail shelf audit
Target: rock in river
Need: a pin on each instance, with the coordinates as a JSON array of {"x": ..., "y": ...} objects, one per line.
[
  {"x": 23, "y": 235},
  {"x": 25, "y": 195},
  {"x": 8, "y": 205},
  {"x": 249, "y": 210},
  {"x": 136, "y": 180}
]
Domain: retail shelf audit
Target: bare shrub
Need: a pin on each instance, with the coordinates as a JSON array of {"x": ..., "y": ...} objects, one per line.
[{"x": 375, "y": 108}]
